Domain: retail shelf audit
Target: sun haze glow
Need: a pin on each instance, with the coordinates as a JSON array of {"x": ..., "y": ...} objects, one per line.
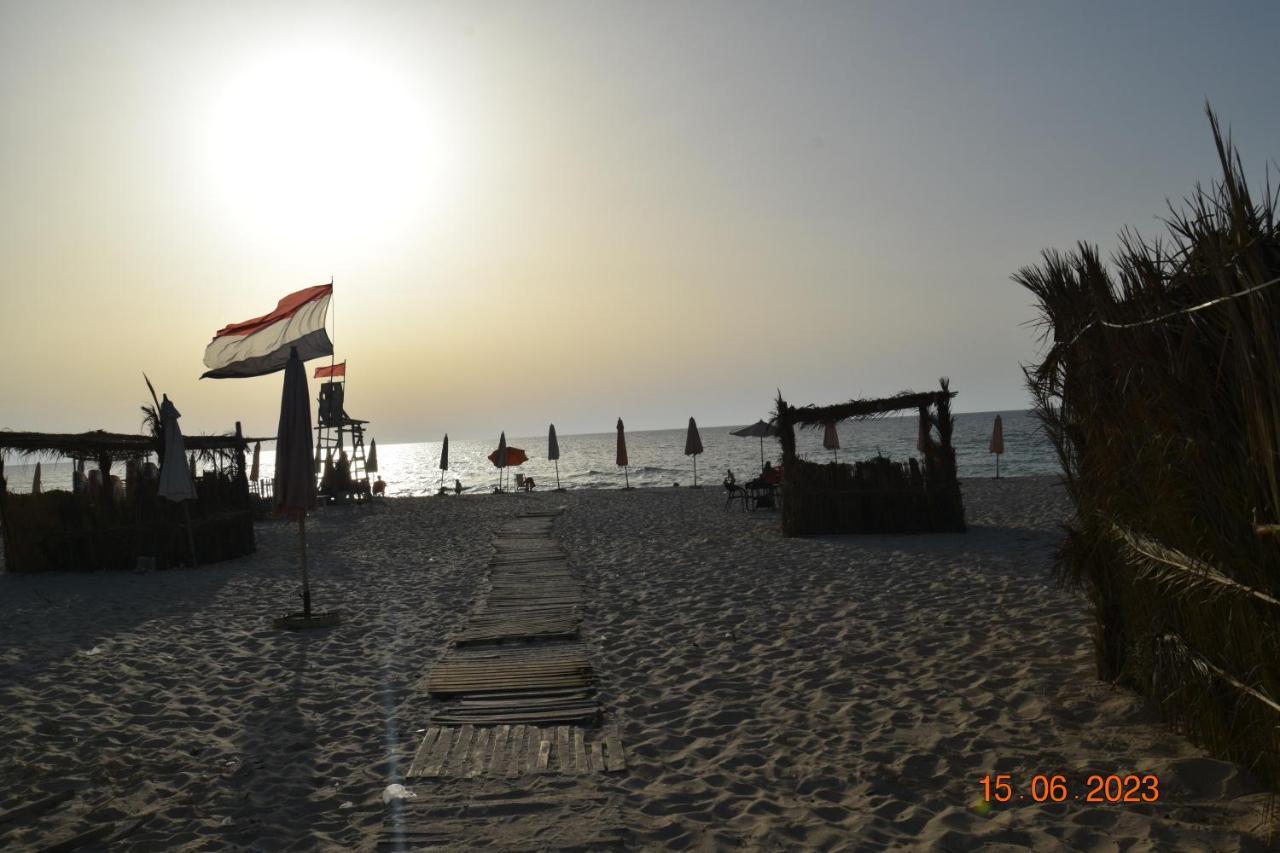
[
  {"x": 319, "y": 141},
  {"x": 569, "y": 211}
]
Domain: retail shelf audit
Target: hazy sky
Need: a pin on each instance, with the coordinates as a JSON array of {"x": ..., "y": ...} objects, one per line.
[{"x": 567, "y": 212}]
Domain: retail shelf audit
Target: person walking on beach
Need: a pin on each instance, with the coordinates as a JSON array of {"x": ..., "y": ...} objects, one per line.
[{"x": 457, "y": 487}]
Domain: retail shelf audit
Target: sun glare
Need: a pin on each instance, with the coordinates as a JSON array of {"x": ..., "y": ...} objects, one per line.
[{"x": 315, "y": 144}]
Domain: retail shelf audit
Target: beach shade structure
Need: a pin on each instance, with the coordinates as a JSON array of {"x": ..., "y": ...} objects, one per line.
[
  {"x": 175, "y": 477},
  {"x": 295, "y": 484},
  {"x": 831, "y": 440},
  {"x": 553, "y": 453},
  {"x": 693, "y": 447},
  {"x": 759, "y": 429},
  {"x": 515, "y": 456},
  {"x": 35, "y": 481},
  {"x": 622, "y": 455},
  {"x": 997, "y": 442},
  {"x": 444, "y": 459},
  {"x": 253, "y": 469}
]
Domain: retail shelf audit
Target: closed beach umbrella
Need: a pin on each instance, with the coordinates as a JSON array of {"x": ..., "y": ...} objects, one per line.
[
  {"x": 553, "y": 453},
  {"x": 35, "y": 481},
  {"x": 193, "y": 467},
  {"x": 253, "y": 469},
  {"x": 831, "y": 439},
  {"x": 175, "y": 477},
  {"x": 693, "y": 447},
  {"x": 759, "y": 429},
  {"x": 622, "y": 454},
  {"x": 499, "y": 457},
  {"x": 997, "y": 442},
  {"x": 371, "y": 464},
  {"x": 444, "y": 460},
  {"x": 295, "y": 484}
]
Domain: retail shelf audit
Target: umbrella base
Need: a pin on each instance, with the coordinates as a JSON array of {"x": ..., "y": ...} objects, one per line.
[
  {"x": 558, "y": 490},
  {"x": 300, "y": 621}
]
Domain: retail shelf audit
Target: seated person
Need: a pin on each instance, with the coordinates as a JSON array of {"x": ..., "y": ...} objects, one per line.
[
  {"x": 769, "y": 476},
  {"x": 730, "y": 481},
  {"x": 380, "y": 487},
  {"x": 528, "y": 484}
]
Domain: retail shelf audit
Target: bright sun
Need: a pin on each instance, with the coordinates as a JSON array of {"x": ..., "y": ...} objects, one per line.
[{"x": 315, "y": 143}]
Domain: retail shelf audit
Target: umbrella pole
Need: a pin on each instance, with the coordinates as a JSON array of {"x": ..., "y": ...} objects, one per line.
[
  {"x": 557, "y": 475},
  {"x": 306, "y": 583},
  {"x": 626, "y": 475},
  {"x": 997, "y": 466},
  {"x": 762, "y": 453},
  {"x": 695, "y": 470},
  {"x": 191, "y": 539}
]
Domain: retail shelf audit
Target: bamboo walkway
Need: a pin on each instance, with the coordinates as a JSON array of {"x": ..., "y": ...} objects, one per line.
[{"x": 516, "y": 686}]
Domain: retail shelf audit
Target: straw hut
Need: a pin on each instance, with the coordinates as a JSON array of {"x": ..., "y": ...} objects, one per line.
[
  {"x": 59, "y": 530},
  {"x": 1161, "y": 393},
  {"x": 877, "y": 495}
]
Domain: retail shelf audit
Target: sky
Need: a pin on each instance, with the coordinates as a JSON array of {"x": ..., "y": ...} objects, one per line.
[{"x": 565, "y": 213}]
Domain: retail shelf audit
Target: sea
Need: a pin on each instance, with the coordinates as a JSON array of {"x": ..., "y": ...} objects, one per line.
[{"x": 656, "y": 457}]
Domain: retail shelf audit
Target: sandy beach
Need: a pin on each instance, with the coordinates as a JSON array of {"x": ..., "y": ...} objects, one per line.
[{"x": 835, "y": 692}]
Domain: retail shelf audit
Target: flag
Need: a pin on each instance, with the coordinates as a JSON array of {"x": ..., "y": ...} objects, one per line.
[
  {"x": 261, "y": 345},
  {"x": 330, "y": 372}
]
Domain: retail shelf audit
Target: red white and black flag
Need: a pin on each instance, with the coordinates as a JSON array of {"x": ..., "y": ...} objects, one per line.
[
  {"x": 260, "y": 346},
  {"x": 331, "y": 372}
]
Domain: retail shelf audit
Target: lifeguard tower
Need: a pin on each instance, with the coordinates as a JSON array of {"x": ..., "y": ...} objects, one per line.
[{"x": 333, "y": 424}]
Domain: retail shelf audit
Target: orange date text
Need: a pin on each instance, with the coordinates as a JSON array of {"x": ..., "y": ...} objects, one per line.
[{"x": 1057, "y": 788}]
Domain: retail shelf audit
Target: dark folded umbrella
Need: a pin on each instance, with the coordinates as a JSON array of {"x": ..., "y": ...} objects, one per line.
[
  {"x": 444, "y": 460},
  {"x": 693, "y": 447},
  {"x": 622, "y": 455},
  {"x": 295, "y": 484},
  {"x": 553, "y": 452}
]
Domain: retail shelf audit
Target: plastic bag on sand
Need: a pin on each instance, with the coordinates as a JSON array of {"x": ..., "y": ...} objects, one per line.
[{"x": 397, "y": 792}]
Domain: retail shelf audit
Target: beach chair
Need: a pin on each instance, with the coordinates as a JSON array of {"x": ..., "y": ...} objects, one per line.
[
  {"x": 734, "y": 492},
  {"x": 520, "y": 482}
]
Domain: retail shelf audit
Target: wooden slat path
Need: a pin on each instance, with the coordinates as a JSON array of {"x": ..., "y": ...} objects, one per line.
[
  {"x": 517, "y": 750},
  {"x": 517, "y": 688}
]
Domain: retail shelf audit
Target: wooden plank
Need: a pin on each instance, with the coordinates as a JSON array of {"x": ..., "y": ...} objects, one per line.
[
  {"x": 497, "y": 765},
  {"x": 563, "y": 749},
  {"x": 614, "y": 761},
  {"x": 519, "y": 759},
  {"x": 461, "y": 750},
  {"x": 597, "y": 757},
  {"x": 580, "y": 752},
  {"x": 438, "y": 755},
  {"x": 423, "y": 755},
  {"x": 544, "y": 754},
  {"x": 479, "y": 753}
]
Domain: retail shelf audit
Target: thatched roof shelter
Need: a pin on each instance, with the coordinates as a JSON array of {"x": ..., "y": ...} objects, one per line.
[
  {"x": 117, "y": 446},
  {"x": 875, "y": 496},
  {"x": 816, "y": 416}
]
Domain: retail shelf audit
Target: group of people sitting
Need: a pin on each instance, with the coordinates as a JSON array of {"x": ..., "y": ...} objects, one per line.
[{"x": 769, "y": 476}]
